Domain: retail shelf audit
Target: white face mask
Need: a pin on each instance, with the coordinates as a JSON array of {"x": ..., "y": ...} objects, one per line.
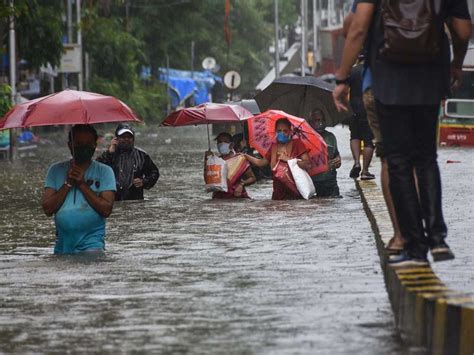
[{"x": 223, "y": 148}]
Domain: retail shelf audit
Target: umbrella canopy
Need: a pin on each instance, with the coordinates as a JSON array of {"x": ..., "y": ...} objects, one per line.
[
  {"x": 299, "y": 96},
  {"x": 68, "y": 107},
  {"x": 262, "y": 135},
  {"x": 206, "y": 113},
  {"x": 249, "y": 105}
]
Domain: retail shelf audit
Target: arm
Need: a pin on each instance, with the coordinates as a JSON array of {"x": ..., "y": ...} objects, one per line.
[
  {"x": 248, "y": 178},
  {"x": 151, "y": 173},
  {"x": 304, "y": 163},
  {"x": 107, "y": 156},
  {"x": 255, "y": 161},
  {"x": 347, "y": 24},
  {"x": 352, "y": 46},
  {"x": 336, "y": 162},
  {"x": 460, "y": 30},
  {"x": 53, "y": 200},
  {"x": 102, "y": 203}
]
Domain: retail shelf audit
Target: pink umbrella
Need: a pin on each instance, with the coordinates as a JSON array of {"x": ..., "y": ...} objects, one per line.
[
  {"x": 68, "y": 107},
  {"x": 207, "y": 113}
]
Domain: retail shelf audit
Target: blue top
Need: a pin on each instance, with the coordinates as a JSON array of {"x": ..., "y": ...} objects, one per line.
[
  {"x": 78, "y": 226},
  {"x": 366, "y": 78}
]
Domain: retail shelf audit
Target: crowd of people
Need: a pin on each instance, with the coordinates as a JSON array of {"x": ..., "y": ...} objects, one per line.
[{"x": 395, "y": 99}]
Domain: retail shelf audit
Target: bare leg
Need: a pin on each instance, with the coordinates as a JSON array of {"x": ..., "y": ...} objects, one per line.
[
  {"x": 397, "y": 241},
  {"x": 355, "y": 149},
  {"x": 368, "y": 154}
]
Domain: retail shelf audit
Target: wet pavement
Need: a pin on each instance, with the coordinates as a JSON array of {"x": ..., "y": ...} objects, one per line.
[
  {"x": 185, "y": 274},
  {"x": 457, "y": 177}
]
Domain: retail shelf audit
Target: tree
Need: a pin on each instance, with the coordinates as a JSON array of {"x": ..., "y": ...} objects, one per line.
[{"x": 38, "y": 29}]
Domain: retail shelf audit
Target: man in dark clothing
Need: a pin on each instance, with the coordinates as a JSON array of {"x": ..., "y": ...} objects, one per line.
[
  {"x": 359, "y": 127},
  {"x": 134, "y": 170},
  {"x": 407, "y": 99},
  {"x": 326, "y": 183}
]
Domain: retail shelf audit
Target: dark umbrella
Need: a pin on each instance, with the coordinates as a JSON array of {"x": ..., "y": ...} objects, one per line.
[{"x": 299, "y": 96}]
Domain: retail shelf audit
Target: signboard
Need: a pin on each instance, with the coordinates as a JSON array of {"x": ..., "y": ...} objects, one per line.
[
  {"x": 209, "y": 63},
  {"x": 232, "y": 80},
  {"x": 71, "y": 59}
]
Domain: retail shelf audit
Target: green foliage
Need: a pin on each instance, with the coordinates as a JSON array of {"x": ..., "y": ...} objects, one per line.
[
  {"x": 38, "y": 29},
  {"x": 115, "y": 53},
  {"x": 120, "y": 39},
  {"x": 5, "y": 99}
]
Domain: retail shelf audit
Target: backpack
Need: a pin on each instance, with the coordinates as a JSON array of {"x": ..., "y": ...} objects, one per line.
[{"x": 412, "y": 31}]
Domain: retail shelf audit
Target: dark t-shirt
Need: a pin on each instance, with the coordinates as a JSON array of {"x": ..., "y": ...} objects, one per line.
[
  {"x": 356, "y": 94},
  {"x": 412, "y": 84}
]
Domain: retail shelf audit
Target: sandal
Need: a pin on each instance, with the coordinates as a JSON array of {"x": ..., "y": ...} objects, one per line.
[
  {"x": 367, "y": 176},
  {"x": 355, "y": 171}
]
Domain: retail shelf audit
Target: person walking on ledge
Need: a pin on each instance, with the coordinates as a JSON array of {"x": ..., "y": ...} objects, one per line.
[{"x": 410, "y": 78}]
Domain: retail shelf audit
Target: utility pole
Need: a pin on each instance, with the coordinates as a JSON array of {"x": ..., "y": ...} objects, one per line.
[
  {"x": 12, "y": 49},
  {"x": 316, "y": 25},
  {"x": 277, "y": 42},
  {"x": 304, "y": 9},
  {"x": 192, "y": 59},
  {"x": 79, "y": 42}
]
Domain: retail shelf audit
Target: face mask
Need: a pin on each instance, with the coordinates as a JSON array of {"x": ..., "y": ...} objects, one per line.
[
  {"x": 124, "y": 147},
  {"x": 223, "y": 148},
  {"x": 83, "y": 153},
  {"x": 283, "y": 138}
]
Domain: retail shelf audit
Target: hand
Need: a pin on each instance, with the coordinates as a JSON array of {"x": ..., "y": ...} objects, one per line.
[
  {"x": 238, "y": 190},
  {"x": 137, "y": 182},
  {"x": 335, "y": 163},
  {"x": 75, "y": 175},
  {"x": 339, "y": 95},
  {"x": 456, "y": 78},
  {"x": 113, "y": 145}
]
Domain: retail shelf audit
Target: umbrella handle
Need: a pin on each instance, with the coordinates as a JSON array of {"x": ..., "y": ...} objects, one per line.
[{"x": 208, "y": 138}]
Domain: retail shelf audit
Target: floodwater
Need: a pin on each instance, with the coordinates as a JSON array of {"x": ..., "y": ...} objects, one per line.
[{"x": 185, "y": 274}]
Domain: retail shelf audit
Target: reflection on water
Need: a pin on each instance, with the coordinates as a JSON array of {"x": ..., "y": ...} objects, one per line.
[{"x": 187, "y": 274}]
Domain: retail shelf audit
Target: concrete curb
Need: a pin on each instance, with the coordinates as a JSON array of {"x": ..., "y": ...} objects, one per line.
[{"x": 427, "y": 313}]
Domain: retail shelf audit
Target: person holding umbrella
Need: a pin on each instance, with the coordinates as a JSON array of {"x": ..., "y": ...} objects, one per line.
[
  {"x": 240, "y": 173},
  {"x": 284, "y": 149},
  {"x": 79, "y": 192}
]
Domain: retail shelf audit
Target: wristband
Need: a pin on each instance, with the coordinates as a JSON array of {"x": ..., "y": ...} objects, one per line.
[
  {"x": 67, "y": 184},
  {"x": 342, "y": 81}
]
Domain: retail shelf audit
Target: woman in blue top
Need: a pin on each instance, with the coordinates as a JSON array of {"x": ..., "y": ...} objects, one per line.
[{"x": 80, "y": 193}]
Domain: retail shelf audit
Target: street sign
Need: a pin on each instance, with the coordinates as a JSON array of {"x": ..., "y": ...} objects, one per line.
[
  {"x": 71, "y": 59},
  {"x": 209, "y": 63},
  {"x": 232, "y": 80}
]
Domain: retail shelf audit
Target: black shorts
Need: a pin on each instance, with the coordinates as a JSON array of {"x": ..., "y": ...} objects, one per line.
[{"x": 360, "y": 130}]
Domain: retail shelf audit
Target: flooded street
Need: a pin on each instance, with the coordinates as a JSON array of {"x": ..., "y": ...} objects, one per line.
[{"x": 184, "y": 274}]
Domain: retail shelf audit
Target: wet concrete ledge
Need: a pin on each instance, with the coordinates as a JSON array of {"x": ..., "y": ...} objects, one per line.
[{"x": 427, "y": 313}]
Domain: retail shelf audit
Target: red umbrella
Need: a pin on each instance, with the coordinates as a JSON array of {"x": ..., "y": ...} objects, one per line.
[
  {"x": 207, "y": 113},
  {"x": 68, "y": 107},
  {"x": 262, "y": 134}
]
